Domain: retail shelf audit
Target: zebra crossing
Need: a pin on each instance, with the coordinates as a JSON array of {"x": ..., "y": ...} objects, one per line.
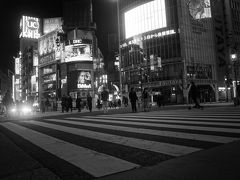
[{"x": 102, "y": 145}]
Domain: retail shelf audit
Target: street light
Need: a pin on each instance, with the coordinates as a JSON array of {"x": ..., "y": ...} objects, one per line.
[{"x": 234, "y": 60}]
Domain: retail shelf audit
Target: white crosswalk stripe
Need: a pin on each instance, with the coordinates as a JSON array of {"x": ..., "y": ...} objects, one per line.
[
  {"x": 132, "y": 131},
  {"x": 86, "y": 159},
  {"x": 170, "y": 149},
  {"x": 128, "y": 122}
]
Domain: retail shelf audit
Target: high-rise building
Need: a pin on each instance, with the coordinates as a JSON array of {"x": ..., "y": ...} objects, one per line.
[
  {"x": 27, "y": 79},
  {"x": 226, "y": 15},
  {"x": 166, "y": 44}
]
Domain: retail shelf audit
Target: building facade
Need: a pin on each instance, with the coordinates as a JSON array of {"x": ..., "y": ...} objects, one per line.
[
  {"x": 227, "y": 37},
  {"x": 166, "y": 44}
]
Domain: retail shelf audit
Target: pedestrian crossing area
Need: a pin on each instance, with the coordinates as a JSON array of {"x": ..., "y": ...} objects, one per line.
[{"x": 101, "y": 145}]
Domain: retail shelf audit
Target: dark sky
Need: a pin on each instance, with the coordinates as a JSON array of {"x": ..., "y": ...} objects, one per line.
[{"x": 11, "y": 12}]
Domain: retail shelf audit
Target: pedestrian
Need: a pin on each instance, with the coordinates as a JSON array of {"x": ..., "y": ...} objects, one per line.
[
  {"x": 105, "y": 97},
  {"x": 89, "y": 102},
  {"x": 69, "y": 102},
  {"x": 159, "y": 99},
  {"x": 47, "y": 104},
  {"x": 145, "y": 97},
  {"x": 7, "y": 101},
  {"x": 42, "y": 106},
  {"x": 78, "y": 103},
  {"x": 63, "y": 103},
  {"x": 133, "y": 99},
  {"x": 195, "y": 95},
  {"x": 98, "y": 104}
]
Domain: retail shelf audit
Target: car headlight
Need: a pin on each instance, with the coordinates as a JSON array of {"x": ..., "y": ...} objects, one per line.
[
  {"x": 13, "y": 110},
  {"x": 26, "y": 109}
]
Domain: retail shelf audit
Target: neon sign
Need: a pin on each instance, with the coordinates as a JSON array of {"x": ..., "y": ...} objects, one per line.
[{"x": 30, "y": 27}]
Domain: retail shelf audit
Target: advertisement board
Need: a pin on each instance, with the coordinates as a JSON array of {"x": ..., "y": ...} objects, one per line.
[
  {"x": 146, "y": 17},
  {"x": 80, "y": 80},
  {"x": 51, "y": 24},
  {"x": 47, "y": 44},
  {"x": 78, "y": 52},
  {"x": 200, "y": 9},
  {"x": 30, "y": 27}
]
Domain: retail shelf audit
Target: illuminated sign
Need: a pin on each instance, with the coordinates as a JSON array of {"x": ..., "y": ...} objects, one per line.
[
  {"x": 84, "y": 79},
  {"x": 51, "y": 24},
  {"x": 78, "y": 52},
  {"x": 79, "y": 79},
  {"x": 17, "y": 66},
  {"x": 147, "y": 17},
  {"x": 138, "y": 39},
  {"x": 199, "y": 9},
  {"x": 30, "y": 27}
]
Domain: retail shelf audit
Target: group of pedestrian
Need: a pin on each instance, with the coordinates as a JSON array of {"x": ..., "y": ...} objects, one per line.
[{"x": 145, "y": 98}]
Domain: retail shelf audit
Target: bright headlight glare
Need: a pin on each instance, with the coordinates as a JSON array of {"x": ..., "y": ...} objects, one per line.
[
  {"x": 26, "y": 109},
  {"x": 13, "y": 110}
]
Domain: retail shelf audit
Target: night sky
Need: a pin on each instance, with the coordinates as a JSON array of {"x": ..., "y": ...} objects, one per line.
[{"x": 104, "y": 14}]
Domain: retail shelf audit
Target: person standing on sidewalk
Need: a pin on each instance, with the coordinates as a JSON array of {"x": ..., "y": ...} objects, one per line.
[
  {"x": 133, "y": 99},
  {"x": 78, "y": 103},
  {"x": 89, "y": 102},
  {"x": 145, "y": 97},
  {"x": 105, "y": 97},
  {"x": 63, "y": 103}
]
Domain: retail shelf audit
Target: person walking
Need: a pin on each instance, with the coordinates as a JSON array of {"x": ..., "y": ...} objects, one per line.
[
  {"x": 78, "y": 103},
  {"x": 89, "y": 102},
  {"x": 63, "y": 103},
  {"x": 70, "y": 101},
  {"x": 133, "y": 99},
  {"x": 105, "y": 97},
  {"x": 42, "y": 106},
  {"x": 145, "y": 97},
  {"x": 195, "y": 95}
]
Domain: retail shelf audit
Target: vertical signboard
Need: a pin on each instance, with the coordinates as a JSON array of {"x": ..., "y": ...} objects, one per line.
[{"x": 30, "y": 27}]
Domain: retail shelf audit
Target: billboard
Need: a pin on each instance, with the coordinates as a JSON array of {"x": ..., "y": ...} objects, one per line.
[
  {"x": 51, "y": 24},
  {"x": 80, "y": 79},
  {"x": 47, "y": 44},
  {"x": 78, "y": 52},
  {"x": 146, "y": 17},
  {"x": 200, "y": 9},
  {"x": 30, "y": 27}
]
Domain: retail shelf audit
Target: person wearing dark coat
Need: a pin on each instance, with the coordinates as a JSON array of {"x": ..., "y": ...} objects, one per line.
[
  {"x": 194, "y": 93},
  {"x": 63, "y": 103},
  {"x": 78, "y": 103},
  {"x": 69, "y": 102},
  {"x": 133, "y": 99},
  {"x": 89, "y": 102}
]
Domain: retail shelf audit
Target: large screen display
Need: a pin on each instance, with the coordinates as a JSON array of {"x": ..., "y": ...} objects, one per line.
[
  {"x": 80, "y": 80},
  {"x": 78, "y": 52},
  {"x": 144, "y": 18},
  {"x": 51, "y": 24},
  {"x": 200, "y": 9}
]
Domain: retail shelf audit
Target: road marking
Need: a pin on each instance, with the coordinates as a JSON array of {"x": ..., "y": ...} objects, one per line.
[
  {"x": 92, "y": 162},
  {"x": 202, "y": 137},
  {"x": 159, "y": 147},
  {"x": 217, "y": 129},
  {"x": 156, "y": 119}
]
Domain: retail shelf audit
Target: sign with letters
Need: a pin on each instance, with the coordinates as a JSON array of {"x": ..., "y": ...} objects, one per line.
[{"x": 30, "y": 27}]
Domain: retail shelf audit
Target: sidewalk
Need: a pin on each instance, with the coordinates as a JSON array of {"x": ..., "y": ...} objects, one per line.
[{"x": 121, "y": 110}]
